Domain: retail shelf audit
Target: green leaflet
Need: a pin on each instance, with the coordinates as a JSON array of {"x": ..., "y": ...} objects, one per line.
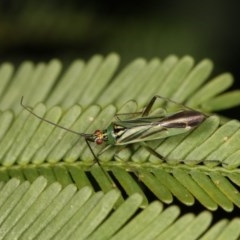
[{"x": 202, "y": 165}]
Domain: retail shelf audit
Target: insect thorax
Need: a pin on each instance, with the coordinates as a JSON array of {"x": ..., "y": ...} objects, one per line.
[{"x": 114, "y": 131}]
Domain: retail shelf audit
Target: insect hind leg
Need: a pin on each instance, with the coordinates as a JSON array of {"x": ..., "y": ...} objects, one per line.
[
  {"x": 149, "y": 106},
  {"x": 210, "y": 163},
  {"x": 153, "y": 100}
]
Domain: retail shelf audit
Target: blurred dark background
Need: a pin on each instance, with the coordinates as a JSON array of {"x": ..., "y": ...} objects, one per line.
[{"x": 42, "y": 30}]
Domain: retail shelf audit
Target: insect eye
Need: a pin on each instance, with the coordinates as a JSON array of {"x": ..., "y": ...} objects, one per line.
[
  {"x": 97, "y": 132},
  {"x": 99, "y": 141}
]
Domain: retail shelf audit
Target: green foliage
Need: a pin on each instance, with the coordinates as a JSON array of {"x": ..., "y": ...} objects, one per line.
[{"x": 48, "y": 175}]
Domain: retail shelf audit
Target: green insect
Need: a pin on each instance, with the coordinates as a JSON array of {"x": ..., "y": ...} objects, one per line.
[{"x": 142, "y": 129}]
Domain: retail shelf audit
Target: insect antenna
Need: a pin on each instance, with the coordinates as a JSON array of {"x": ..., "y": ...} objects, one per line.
[
  {"x": 45, "y": 120},
  {"x": 84, "y": 135}
]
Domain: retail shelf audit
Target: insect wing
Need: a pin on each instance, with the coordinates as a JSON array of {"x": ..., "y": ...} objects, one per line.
[
  {"x": 152, "y": 128},
  {"x": 143, "y": 121},
  {"x": 138, "y": 130},
  {"x": 141, "y": 133}
]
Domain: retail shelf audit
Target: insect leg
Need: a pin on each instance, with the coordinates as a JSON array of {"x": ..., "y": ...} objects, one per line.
[
  {"x": 152, "y": 151},
  {"x": 117, "y": 115},
  {"x": 149, "y": 106},
  {"x": 152, "y": 101},
  {"x": 104, "y": 150},
  {"x": 98, "y": 162},
  {"x": 211, "y": 163}
]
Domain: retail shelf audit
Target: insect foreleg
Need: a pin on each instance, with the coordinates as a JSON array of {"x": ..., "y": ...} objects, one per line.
[
  {"x": 152, "y": 151},
  {"x": 98, "y": 161}
]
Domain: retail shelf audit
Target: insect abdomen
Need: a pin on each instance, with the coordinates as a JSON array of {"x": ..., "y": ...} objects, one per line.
[{"x": 183, "y": 119}]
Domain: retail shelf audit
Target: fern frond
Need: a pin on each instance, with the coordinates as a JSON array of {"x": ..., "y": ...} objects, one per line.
[
  {"x": 50, "y": 211},
  {"x": 37, "y": 146},
  {"x": 201, "y": 165}
]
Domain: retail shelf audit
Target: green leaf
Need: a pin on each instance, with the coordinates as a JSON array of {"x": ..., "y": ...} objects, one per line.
[
  {"x": 54, "y": 195},
  {"x": 48, "y": 211}
]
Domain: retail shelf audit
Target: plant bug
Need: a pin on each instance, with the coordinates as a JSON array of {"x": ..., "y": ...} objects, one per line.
[{"x": 141, "y": 129}]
